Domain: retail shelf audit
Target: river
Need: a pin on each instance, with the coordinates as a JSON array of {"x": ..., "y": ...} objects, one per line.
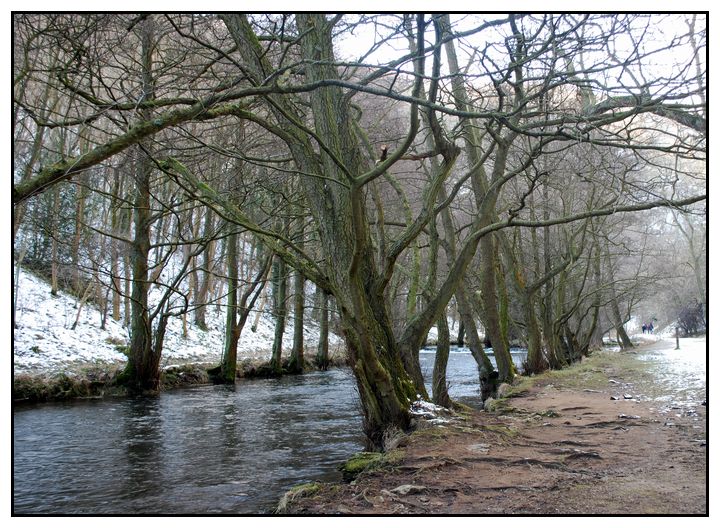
[{"x": 201, "y": 450}]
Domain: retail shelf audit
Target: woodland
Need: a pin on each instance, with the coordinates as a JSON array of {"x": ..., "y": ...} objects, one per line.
[{"x": 525, "y": 178}]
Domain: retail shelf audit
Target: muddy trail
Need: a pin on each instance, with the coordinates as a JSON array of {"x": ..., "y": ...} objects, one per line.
[{"x": 601, "y": 437}]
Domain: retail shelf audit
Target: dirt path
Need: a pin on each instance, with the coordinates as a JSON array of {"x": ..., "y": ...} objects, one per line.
[{"x": 561, "y": 445}]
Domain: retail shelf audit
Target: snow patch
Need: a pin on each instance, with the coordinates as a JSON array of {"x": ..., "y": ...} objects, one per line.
[{"x": 44, "y": 340}]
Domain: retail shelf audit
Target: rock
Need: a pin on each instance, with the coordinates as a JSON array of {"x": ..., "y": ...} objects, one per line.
[
  {"x": 503, "y": 390},
  {"x": 612, "y": 381},
  {"x": 488, "y": 404},
  {"x": 614, "y": 397},
  {"x": 407, "y": 489},
  {"x": 628, "y": 416},
  {"x": 479, "y": 448},
  {"x": 628, "y": 396}
]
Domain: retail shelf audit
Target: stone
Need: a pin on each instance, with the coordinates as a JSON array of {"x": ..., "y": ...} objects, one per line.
[
  {"x": 503, "y": 390},
  {"x": 407, "y": 489},
  {"x": 479, "y": 448}
]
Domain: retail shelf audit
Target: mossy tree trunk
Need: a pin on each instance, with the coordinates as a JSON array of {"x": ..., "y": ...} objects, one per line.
[
  {"x": 525, "y": 294},
  {"x": 617, "y": 318},
  {"x": 297, "y": 354},
  {"x": 238, "y": 310},
  {"x": 388, "y": 376},
  {"x": 206, "y": 276},
  {"x": 322, "y": 357},
  {"x": 142, "y": 373},
  {"x": 228, "y": 363},
  {"x": 493, "y": 314},
  {"x": 279, "y": 281},
  {"x": 442, "y": 353}
]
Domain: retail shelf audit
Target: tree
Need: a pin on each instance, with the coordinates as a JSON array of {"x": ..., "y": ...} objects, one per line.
[{"x": 528, "y": 96}]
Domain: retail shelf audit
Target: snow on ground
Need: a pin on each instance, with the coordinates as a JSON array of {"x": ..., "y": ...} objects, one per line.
[{"x": 44, "y": 341}]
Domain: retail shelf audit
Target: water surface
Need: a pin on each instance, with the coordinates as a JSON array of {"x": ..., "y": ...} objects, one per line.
[{"x": 201, "y": 450}]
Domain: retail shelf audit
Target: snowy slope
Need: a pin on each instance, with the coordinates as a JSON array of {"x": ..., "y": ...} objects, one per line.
[{"x": 44, "y": 342}]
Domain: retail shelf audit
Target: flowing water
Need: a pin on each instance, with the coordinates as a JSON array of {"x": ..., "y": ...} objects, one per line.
[{"x": 202, "y": 450}]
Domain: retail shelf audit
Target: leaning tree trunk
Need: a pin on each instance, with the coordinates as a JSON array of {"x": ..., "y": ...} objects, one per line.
[
  {"x": 622, "y": 335},
  {"x": 488, "y": 382},
  {"x": 617, "y": 319},
  {"x": 492, "y": 311},
  {"x": 526, "y": 295},
  {"x": 238, "y": 310}
]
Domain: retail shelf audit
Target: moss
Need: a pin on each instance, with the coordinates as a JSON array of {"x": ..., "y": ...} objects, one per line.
[
  {"x": 291, "y": 501},
  {"x": 499, "y": 406},
  {"x": 550, "y": 413},
  {"x": 501, "y": 429},
  {"x": 521, "y": 386},
  {"x": 370, "y": 462},
  {"x": 184, "y": 375},
  {"x": 59, "y": 387},
  {"x": 302, "y": 490},
  {"x": 360, "y": 462}
]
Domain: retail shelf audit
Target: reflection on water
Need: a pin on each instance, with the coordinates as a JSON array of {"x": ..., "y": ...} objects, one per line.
[{"x": 210, "y": 449}]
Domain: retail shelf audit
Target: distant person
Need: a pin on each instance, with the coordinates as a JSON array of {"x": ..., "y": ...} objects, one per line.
[
  {"x": 650, "y": 328},
  {"x": 644, "y": 327}
]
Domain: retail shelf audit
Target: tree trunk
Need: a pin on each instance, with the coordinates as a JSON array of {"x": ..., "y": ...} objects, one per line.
[
  {"x": 442, "y": 354},
  {"x": 143, "y": 364},
  {"x": 279, "y": 280},
  {"x": 142, "y": 373},
  {"x": 297, "y": 359},
  {"x": 228, "y": 363},
  {"x": 488, "y": 382},
  {"x": 337, "y": 203},
  {"x": 207, "y": 276},
  {"x": 54, "y": 243},
  {"x": 623, "y": 338},
  {"x": 495, "y": 328},
  {"x": 322, "y": 358}
]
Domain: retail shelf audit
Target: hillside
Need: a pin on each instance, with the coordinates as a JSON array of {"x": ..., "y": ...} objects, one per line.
[{"x": 44, "y": 341}]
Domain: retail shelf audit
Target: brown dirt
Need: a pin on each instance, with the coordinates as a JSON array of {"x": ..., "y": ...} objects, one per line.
[{"x": 561, "y": 446}]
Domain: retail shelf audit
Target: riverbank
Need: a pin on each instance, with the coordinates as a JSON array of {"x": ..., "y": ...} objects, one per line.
[
  {"x": 609, "y": 435},
  {"x": 92, "y": 380}
]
